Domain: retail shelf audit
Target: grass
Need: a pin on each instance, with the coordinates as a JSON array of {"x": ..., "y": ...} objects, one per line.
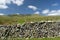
[
  {"x": 26, "y": 18},
  {"x": 56, "y": 38}
]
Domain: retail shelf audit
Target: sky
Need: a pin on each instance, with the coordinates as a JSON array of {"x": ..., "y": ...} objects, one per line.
[{"x": 41, "y": 7}]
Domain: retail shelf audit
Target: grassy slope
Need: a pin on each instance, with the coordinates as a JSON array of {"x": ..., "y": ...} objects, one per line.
[{"x": 26, "y": 18}]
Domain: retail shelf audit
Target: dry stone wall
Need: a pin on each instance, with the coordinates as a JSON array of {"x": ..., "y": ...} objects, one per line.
[{"x": 31, "y": 30}]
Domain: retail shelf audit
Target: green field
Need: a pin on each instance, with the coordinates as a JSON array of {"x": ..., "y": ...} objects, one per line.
[
  {"x": 13, "y": 19},
  {"x": 57, "y": 38}
]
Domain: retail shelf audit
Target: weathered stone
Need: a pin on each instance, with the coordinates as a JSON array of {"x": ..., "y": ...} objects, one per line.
[{"x": 31, "y": 30}]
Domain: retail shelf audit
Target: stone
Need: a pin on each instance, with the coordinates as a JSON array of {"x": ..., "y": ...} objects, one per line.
[{"x": 31, "y": 30}]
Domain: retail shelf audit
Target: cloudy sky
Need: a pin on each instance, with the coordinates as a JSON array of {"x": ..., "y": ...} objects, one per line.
[{"x": 42, "y": 7}]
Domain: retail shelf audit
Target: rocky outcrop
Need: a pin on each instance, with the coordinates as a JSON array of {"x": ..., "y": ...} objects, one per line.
[{"x": 31, "y": 30}]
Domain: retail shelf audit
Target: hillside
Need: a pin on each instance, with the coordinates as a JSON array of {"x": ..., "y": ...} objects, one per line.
[{"x": 13, "y": 19}]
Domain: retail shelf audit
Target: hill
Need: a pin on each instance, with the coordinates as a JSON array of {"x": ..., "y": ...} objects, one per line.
[{"x": 13, "y": 19}]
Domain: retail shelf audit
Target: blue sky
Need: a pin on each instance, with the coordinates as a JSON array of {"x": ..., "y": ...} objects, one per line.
[{"x": 42, "y": 7}]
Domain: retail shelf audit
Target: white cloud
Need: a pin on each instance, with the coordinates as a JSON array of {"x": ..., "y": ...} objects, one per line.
[
  {"x": 54, "y": 13},
  {"x": 32, "y": 7},
  {"x": 2, "y": 14},
  {"x": 17, "y": 13},
  {"x": 18, "y": 2},
  {"x": 37, "y": 12},
  {"x": 55, "y": 4},
  {"x": 3, "y": 6},
  {"x": 4, "y": 2},
  {"x": 51, "y": 12},
  {"x": 46, "y": 11}
]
